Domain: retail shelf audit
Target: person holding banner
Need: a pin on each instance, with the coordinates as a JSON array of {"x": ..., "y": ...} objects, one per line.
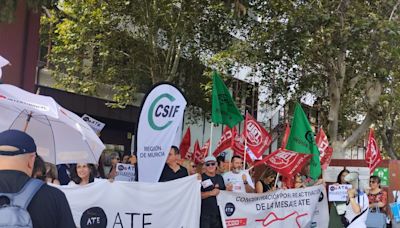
[
  {"x": 172, "y": 170},
  {"x": 337, "y": 208},
  {"x": 211, "y": 184},
  {"x": 239, "y": 178},
  {"x": 266, "y": 182}
]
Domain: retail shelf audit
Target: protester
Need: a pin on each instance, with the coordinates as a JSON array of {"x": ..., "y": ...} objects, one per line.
[
  {"x": 307, "y": 180},
  {"x": 125, "y": 159},
  {"x": 377, "y": 196},
  {"x": 221, "y": 165},
  {"x": 266, "y": 182},
  {"x": 190, "y": 166},
  {"x": 133, "y": 160},
  {"x": 100, "y": 168},
  {"x": 298, "y": 181},
  {"x": 240, "y": 179},
  {"x": 51, "y": 174},
  {"x": 172, "y": 170},
  {"x": 81, "y": 174},
  {"x": 357, "y": 204},
  {"x": 211, "y": 184},
  {"x": 48, "y": 207},
  {"x": 39, "y": 169},
  {"x": 337, "y": 209},
  {"x": 115, "y": 159}
]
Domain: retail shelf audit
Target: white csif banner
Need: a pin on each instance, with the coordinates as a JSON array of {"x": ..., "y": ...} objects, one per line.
[
  {"x": 173, "y": 204},
  {"x": 294, "y": 208},
  {"x": 160, "y": 117}
]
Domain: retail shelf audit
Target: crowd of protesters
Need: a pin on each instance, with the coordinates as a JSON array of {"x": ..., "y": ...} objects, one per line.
[{"x": 18, "y": 159}]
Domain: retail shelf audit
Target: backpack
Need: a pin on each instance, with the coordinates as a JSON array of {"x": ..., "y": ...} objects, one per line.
[{"x": 15, "y": 214}]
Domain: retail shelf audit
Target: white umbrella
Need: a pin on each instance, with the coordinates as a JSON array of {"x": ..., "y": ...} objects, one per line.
[
  {"x": 3, "y": 62},
  {"x": 61, "y": 136}
]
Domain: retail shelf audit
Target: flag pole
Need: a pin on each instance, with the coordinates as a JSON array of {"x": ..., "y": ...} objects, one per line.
[
  {"x": 276, "y": 179},
  {"x": 245, "y": 141},
  {"x": 211, "y": 138}
]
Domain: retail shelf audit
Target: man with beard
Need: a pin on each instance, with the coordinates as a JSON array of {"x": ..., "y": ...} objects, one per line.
[{"x": 239, "y": 178}]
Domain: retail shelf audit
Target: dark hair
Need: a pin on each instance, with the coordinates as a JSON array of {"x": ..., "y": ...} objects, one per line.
[
  {"x": 39, "y": 166},
  {"x": 339, "y": 181},
  {"x": 267, "y": 173},
  {"x": 100, "y": 168},
  {"x": 220, "y": 159},
  {"x": 236, "y": 156},
  {"x": 375, "y": 178},
  {"x": 176, "y": 149},
  {"x": 74, "y": 174}
]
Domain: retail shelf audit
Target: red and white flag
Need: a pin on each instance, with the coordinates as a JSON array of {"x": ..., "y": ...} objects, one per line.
[
  {"x": 372, "y": 155},
  {"x": 325, "y": 151},
  {"x": 285, "y": 162},
  {"x": 224, "y": 142},
  {"x": 285, "y": 136},
  {"x": 200, "y": 153},
  {"x": 258, "y": 139},
  {"x": 238, "y": 144},
  {"x": 185, "y": 144}
]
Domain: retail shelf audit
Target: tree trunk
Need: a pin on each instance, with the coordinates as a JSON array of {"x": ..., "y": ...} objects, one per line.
[{"x": 387, "y": 141}]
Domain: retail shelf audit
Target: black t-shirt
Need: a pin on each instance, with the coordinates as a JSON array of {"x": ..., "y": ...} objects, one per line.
[
  {"x": 209, "y": 205},
  {"x": 168, "y": 174},
  {"x": 49, "y": 208}
]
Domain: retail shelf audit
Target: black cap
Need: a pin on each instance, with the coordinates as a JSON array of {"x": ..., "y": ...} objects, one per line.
[{"x": 17, "y": 139}]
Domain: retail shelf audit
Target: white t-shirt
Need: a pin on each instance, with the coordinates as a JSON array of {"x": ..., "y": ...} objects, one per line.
[
  {"x": 236, "y": 180},
  {"x": 360, "y": 221}
]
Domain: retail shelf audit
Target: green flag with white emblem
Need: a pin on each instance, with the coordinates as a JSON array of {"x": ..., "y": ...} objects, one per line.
[
  {"x": 224, "y": 110},
  {"x": 302, "y": 140}
]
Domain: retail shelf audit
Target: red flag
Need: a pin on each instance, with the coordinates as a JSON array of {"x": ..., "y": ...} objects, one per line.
[
  {"x": 372, "y": 155},
  {"x": 285, "y": 162},
  {"x": 185, "y": 144},
  {"x": 258, "y": 139},
  {"x": 325, "y": 151},
  {"x": 196, "y": 152},
  {"x": 285, "y": 136},
  {"x": 224, "y": 142},
  {"x": 200, "y": 153},
  {"x": 237, "y": 146}
]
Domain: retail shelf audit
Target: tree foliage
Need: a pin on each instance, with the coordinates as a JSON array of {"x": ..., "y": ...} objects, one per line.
[
  {"x": 134, "y": 44},
  {"x": 343, "y": 51}
]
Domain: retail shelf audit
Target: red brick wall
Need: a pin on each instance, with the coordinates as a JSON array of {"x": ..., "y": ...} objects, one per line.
[{"x": 19, "y": 43}]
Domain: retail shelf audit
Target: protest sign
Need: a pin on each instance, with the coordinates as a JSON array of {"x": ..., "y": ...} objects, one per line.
[
  {"x": 125, "y": 172},
  {"x": 160, "y": 117},
  {"x": 282, "y": 208},
  {"x": 96, "y": 125},
  {"x": 134, "y": 204},
  {"x": 338, "y": 192}
]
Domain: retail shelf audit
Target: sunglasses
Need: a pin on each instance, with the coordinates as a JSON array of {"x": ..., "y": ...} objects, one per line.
[
  {"x": 210, "y": 164},
  {"x": 193, "y": 166},
  {"x": 373, "y": 182}
]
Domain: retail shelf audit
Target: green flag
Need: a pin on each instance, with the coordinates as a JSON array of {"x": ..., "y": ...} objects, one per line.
[
  {"x": 302, "y": 140},
  {"x": 224, "y": 110}
]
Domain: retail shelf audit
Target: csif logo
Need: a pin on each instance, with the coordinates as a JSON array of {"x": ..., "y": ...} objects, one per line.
[{"x": 162, "y": 111}]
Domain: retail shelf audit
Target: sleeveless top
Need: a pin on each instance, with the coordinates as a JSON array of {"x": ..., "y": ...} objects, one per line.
[{"x": 266, "y": 187}]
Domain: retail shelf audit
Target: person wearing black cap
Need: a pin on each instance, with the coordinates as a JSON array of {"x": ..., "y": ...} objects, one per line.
[{"x": 49, "y": 207}]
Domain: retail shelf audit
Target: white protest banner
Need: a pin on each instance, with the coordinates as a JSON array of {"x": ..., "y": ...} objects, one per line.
[
  {"x": 125, "y": 172},
  {"x": 338, "y": 192},
  {"x": 282, "y": 208},
  {"x": 102, "y": 204},
  {"x": 161, "y": 115},
  {"x": 96, "y": 125}
]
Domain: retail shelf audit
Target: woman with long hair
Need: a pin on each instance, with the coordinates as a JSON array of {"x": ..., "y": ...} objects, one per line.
[
  {"x": 82, "y": 174},
  {"x": 266, "y": 182},
  {"x": 337, "y": 209}
]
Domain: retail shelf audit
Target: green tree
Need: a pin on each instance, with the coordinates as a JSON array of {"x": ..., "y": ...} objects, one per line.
[
  {"x": 343, "y": 51},
  {"x": 134, "y": 44}
]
